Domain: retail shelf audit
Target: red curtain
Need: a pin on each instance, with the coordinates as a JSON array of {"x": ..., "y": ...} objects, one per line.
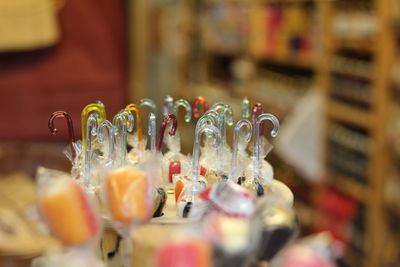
[{"x": 88, "y": 64}]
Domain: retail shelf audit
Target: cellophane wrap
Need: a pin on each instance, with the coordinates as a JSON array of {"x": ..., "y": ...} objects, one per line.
[{"x": 69, "y": 213}]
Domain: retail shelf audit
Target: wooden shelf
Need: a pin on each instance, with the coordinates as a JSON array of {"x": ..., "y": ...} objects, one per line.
[
  {"x": 287, "y": 1},
  {"x": 361, "y": 45},
  {"x": 345, "y": 113},
  {"x": 356, "y": 190},
  {"x": 295, "y": 62}
]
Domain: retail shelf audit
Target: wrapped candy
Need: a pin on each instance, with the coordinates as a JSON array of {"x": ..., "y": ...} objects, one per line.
[
  {"x": 65, "y": 208},
  {"x": 234, "y": 239},
  {"x": 183, "y": 251},
  {"x": 129, "y": 196},
  {"x": 192, "y": 189}
]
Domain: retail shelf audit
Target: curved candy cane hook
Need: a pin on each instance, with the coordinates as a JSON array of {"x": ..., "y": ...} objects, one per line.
[
  {"x": 135, "y": 108},
  {"x": 97, "y": 107},
  {"x": 209, "y": 130},
  {"x": 195, "y": 106},
  {"x": 147, "y": 102},
  {"x": 71, "y": 134},
  {"x": 257, "y": 163},
  {"x": 183, "y": 103},
  {"x": 167, "y": 119}
]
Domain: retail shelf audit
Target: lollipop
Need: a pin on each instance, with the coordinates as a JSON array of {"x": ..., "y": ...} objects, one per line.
[
  {"x": 237, "y": 166},
  {"x": 65, "y": 208},
  {"x": 195, "y": 106},
  {"x": 192, "y": 189}
]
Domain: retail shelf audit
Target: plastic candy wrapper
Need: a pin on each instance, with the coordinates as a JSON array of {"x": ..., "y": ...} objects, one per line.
[
  {"x": 233, "y": 238},
  {"x": 129, "y": 193},
  {"x": 278, "y": 226},
  {"x": 70, "y": 258},
  {"x": 65, "y": 208},
  {"x": 185, "y": 250},
  {"x": 225, "y": 197}
]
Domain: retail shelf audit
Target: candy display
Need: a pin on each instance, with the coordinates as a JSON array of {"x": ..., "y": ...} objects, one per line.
[{"x": 238, "y": 212}]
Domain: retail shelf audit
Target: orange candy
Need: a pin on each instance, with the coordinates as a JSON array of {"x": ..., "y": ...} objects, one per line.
[
  {"x": 178, "y": 189},
  {"x": 68, "y": 213},
  {"x": 127, "y": 195}
]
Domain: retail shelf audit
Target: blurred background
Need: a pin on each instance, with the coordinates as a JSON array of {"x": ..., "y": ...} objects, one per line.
[{"x": 329, "y": 70}]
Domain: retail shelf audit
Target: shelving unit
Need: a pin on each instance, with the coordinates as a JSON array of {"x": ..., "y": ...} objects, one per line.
[{"x": 370, "y": 119}]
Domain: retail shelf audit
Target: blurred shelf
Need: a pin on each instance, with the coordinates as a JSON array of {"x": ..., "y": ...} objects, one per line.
[
  {"x": 295, "y": 62},
  {"x": 346, "y": 185},
  {"x": 345, "y": 113},
  {"x": 361, "y": 45},
  {"x": 287, "y": 1},
  {"x": 226, "y": 51}
]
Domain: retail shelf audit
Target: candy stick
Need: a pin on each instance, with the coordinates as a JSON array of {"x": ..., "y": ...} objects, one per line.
[
  {"x": 120, "y": 125},
  {"x": 135, "y": 108},
  {"x": 245, "y": 108},
  {"x": 242, "y": 123},
  {"x": 168, "y": 107},
  {"x": 225, "y": 116},
  {"x": 183, "y": 103},
  {"x": 167, "y": 119},
  {"x": 97, "y": 107},
  {"x": 101, "y": 137},
  {"x": 257, "y": 160},
  {"x": 152, "y": 131},
  {"x": 71, "y": 134},
  {"x": 195, "y": 107},
  {"x": 196, "y": 147},
  {"x": 257, "y": 109},
  {"x": 91, "y": 130}
]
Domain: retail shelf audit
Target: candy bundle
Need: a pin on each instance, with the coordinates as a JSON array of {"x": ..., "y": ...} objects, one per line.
[{"x": 231, "y": 209}]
